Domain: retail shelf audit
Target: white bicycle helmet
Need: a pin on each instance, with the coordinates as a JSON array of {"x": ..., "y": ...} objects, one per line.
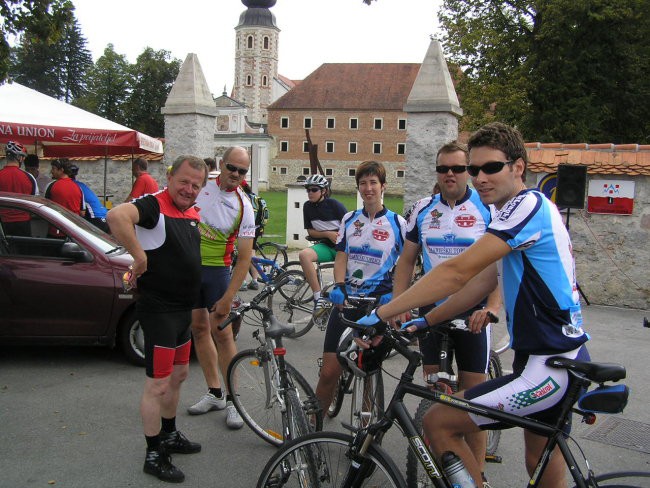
[
  {"x": 15, "y": 148},
  {"x": 317, "y": 180}
]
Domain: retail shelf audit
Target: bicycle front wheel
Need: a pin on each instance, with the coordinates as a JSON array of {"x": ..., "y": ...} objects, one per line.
[
  {"x": 495, "y": 370},
  {"x": 320, "y": 460},
  {"x": 292, "y": 303},
  {"x": 416, "y": 477},
  {"x": 371, "y": 401},
  {"x": 272, "y": 252}
]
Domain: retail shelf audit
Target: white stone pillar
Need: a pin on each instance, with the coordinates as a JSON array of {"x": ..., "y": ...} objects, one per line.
[{"x": 296, "y": 233}]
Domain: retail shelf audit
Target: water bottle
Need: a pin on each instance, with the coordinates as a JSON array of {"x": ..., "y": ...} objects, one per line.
[{"x": 456, "y": 471}]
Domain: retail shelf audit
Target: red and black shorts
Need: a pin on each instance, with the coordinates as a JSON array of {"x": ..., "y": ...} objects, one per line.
[{"x": 167, "y": 340}]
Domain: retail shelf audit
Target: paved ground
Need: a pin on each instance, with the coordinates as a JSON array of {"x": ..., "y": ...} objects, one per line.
[{"x": 69, "y": 416}]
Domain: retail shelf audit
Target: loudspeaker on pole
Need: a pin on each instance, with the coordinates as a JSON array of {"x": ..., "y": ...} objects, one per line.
[{"x": 571, "y": 185}]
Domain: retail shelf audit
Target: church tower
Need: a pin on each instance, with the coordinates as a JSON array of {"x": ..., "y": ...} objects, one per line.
[{"x": 256, "y": 58}]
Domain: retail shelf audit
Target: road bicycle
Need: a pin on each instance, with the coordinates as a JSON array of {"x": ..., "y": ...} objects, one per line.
[
  {"x": 361, "y": 376},
  {"x": 295, "y": 303},
  {"x": 271, "y": 396},
  {"x": 446, "y": 381},
  {"x": 270, "y": 260},
  {"x": 328, "y": 459}
]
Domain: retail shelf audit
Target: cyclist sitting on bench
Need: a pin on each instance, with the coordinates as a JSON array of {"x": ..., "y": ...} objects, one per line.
[
  {"x": 322, "y": 216},
  {"x": 540, "y": 295}
]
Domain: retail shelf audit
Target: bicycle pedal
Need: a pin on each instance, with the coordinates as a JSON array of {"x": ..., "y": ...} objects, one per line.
[{"x": 493, "y": 458}]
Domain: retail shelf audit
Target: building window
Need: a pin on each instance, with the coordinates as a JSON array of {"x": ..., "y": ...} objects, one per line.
[
  {"x": 274, "y": 169},
  {"x": 265, "y": 80},
  {"x": 331, "y": 123},
  {"x": 352, "y": 147},
  {"x": 354, "y": 123},
  {"x": 306, "y": 171},
  {"x": 306, "y": 123},
  {"x": 249, "y": 42},
  {"x": 283, "y": 170},
  {"x": 249, "y": 80},
  {"x": 352, "y": 172},
  {"x": 305, "y": 146},
  {"x": 399, "y": 173},
  {"x": 266, "y": 42},
  {"x": 284, "y": 146},
  {"x": 376, "y": 147},
  {"x": 329, "y": 172},
  {"x": 329, "y": 146},
  {"x": 379, "y": 124},
  {"x": 401, "y": 124},
  {"x": 401, "y": 148},
  {"x": 284, "y": 122}
]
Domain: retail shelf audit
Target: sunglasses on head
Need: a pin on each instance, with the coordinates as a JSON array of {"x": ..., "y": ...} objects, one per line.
[
  {"x": 232, "y": 169},
  {"x": 313, "y": 189},
  {"x": 442, "y": 169},
  {"x": 490, "y": 168}
]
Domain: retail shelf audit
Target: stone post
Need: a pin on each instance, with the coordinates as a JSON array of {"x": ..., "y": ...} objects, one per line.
[
  {"x": 296, "y": 233},
  {"x": 433, "y": 111},
  {"x": 190, "y": 114}
]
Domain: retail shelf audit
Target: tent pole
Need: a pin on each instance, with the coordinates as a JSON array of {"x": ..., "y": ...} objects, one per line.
[{"x": 105, "y": 172}]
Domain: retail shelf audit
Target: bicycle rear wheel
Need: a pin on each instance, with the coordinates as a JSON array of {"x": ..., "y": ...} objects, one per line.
[
  {"x": 273, "y": 252},
  {"x": 623, "y": 479},
  {"x": 495, "y": 370},
  {"x": 320, "y": 460},
  {"x": 416, "y": 477},
  {"x": 342, "y": 386},
  {"x": 307, "y": 397},
  {"x": 370, "y": 406},
  {"x": 292, "y": 303},
  {"x": 262, "y": 409}
]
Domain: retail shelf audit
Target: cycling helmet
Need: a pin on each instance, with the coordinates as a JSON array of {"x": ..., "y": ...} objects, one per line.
[
  {"x": 317, "y": 180},
  {"x": 361, "y": 361},
  {"x": 15, "y": 148}
]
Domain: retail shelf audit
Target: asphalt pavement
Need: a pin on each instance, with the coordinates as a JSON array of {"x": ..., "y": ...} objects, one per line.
[{"x": 69, "y": 415}]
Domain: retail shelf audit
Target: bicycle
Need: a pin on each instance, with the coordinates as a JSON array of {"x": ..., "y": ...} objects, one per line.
[
  {"x": 325, "y": 459},
  {"x": 361, "y": 377},
  {"x": 266, "y": 389},
  {"x": 446, "y": 381},
  {"x": 270, "y": 260},
  {"x": 297, "y": 308}
]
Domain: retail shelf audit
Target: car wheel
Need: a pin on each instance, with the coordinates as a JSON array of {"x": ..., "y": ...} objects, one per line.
[{"x": 132, "y": 339}]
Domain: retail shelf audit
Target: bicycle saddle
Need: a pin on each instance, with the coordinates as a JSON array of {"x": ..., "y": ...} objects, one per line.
[
  {"x": 597, "y": 372},
  {"x": 278, "y": 329}
]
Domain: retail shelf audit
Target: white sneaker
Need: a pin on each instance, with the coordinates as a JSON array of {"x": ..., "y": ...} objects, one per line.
[
  {"x": 233, "y": 420},
  {"x": 207, "y": 403}
]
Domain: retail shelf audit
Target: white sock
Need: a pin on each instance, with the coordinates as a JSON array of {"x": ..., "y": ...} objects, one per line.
[{"x": 316, "y": 295}]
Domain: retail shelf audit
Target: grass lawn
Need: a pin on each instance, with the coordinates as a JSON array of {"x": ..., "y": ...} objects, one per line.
[{"x": 276, "y": 228}]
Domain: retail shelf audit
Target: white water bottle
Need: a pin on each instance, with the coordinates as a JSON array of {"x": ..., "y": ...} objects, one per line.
[{"x": 456, "y": 471}]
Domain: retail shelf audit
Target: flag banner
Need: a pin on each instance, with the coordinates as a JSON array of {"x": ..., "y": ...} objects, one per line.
[{"x": 610, "y": 197}]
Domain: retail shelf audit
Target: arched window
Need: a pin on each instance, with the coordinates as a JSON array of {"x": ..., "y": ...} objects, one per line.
[
  {"x": 266, "y": 42},
  {"x": 249, "y": 80},
  {"x": 264, "y": 81},
  {"x": 249, "y": 42}
]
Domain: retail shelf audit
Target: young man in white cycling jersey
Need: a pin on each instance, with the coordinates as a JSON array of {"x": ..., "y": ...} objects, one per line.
[{"x": 529, "y": 241}]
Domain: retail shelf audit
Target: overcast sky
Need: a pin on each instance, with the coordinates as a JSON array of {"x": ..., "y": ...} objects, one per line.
[{"x": 312, "y": 32}]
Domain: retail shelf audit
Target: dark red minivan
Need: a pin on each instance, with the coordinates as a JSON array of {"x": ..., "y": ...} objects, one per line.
[{"x": 65, "y": 289}]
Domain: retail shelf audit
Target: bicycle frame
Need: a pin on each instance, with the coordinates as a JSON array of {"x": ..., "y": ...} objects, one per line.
[{"x": 257, "y": 263}]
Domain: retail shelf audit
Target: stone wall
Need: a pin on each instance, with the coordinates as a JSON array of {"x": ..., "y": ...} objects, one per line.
[{"x": 188, "y": 134}]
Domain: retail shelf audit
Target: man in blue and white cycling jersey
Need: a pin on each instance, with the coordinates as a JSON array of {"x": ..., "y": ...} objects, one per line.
[
  {"x": 368, "y": 244},
  {"x": 530, "y": 244}
]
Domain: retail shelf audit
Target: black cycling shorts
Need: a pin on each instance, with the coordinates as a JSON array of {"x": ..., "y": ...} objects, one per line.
[{"x": 167, "y": 340}]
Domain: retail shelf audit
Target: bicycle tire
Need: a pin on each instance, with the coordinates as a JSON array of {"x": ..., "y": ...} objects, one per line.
[
  {"x": 274, "y": 252},
  {"x": 637, "y": 479},
  {"x": 342, "y": 385},
  {"x": 307, "y": 397},
  {"x": 416, "y": 477},
  {"x": 296, "y": 416},
  {"x": 319, "y": 460},
  {"x": 495, "y": 370},
  {"x": 292, "y": 303},
  {"x": 247, "y": 384},
  {"x": 372, "y": 400}
]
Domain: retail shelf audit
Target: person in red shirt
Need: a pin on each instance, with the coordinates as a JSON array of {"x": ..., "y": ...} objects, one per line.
[
  {"x": 14, "y": 179},
  {"x": 144, "y": 183},
  {"x": 64, "y": 191}
]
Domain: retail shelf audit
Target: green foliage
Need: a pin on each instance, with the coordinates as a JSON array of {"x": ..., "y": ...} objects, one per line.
[
  {"x": 560, "y": 70},
  {"x": 151, "y": 79},
  {"x": 41, "y": 20}
]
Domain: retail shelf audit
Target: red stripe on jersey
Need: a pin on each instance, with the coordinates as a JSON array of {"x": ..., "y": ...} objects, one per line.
[{"x": 169, "y": 209}]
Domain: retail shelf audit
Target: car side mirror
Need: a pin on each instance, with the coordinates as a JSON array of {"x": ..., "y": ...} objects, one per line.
[{"x": 72, "y": 250}]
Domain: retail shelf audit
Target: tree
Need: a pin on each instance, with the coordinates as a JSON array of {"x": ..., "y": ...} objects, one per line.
[
  {"x": 108, "y": 87},
  {"x": 561, "y": 70},
  {"x": 152, "y": 77},
  {"x": 57, "y": 69},
  {"x": 41, "y": 19}
]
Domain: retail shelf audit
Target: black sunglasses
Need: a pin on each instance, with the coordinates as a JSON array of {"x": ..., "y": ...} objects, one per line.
[
  {"x": 490, "y": 168},
  {"x": 442, "y": 169},
  {"x": 233, "y": 168},
  {"x": 313, "y": 189}
]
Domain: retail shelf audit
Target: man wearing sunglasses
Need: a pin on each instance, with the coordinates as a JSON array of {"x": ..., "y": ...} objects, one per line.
[
  {"x": 443, "y": 226},
  {"x": 226, "y": 217},
  {"x": 532, "y": 246}
]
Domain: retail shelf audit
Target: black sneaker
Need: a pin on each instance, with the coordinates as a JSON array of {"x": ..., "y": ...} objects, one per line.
[
  {"x": 177, "y": 442},
  {"x": 158, "y": 463}
]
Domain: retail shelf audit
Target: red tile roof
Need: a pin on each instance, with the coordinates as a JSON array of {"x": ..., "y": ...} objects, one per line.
[
  {"x": 352, "y": 86},
  {"x": 603, "y": 159}
]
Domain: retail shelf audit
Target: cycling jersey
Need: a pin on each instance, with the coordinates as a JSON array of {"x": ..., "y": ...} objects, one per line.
[
  {"x": 373, "y": 247},
  {"x": 444, "y": 232},
  {"x": 66, "y": 193},
  {"x": 170, "y": 239},
  {"x": 94, "y": 207},
  {"x": 324, "y": 215},
  {"x": 225, "y": 215},
  {"x": 14, "y": 179},
  {"x": 539, "y": 283}
]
